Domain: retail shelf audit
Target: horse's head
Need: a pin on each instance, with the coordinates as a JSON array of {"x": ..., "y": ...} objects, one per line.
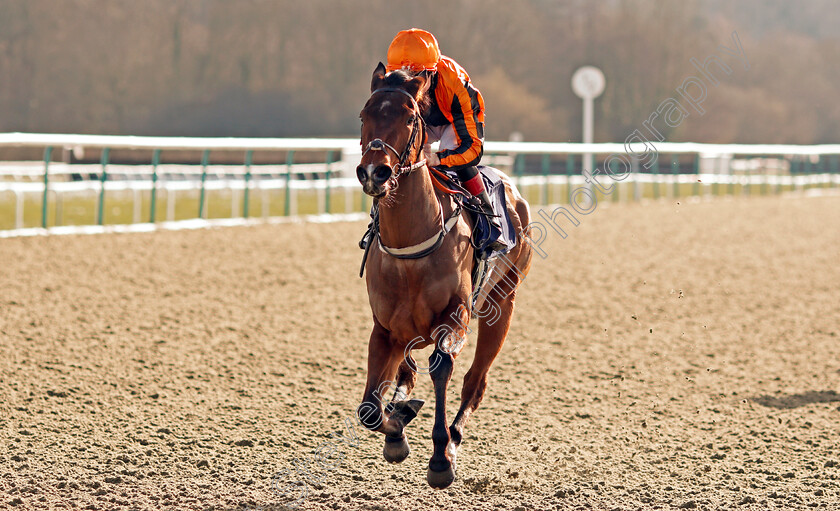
[{"x": 392, "y": 129}]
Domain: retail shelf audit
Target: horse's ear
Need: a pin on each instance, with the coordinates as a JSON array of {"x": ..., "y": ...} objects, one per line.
[
  {"x": 418, "y": 85},
  {"x": 378, "y": 77}
]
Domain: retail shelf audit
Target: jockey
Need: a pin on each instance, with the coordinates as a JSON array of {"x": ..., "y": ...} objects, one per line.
[{"x": 456, "y": 116}]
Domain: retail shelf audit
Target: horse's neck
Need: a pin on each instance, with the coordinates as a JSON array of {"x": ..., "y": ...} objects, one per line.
[{"x": 413, "y": 215}]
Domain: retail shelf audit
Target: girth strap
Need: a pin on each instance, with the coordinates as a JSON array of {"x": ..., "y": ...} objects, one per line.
[{"x": 427, "y": 247}]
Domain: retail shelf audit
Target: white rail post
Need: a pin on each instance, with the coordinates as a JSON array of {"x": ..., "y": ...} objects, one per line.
[
  {"x": 170, "y": 203},
  {"x": 234, "y": 202},
  {"x": 264, "y": 199},
  {"x": 322, "y": 198},
  {"x": 350, "y": 158},
  {"x": 19, "y": 197},
  {"x": 59, "y": 207},
  {"x": 348, "y": 199},
  {"x": 137, "y": 203},
  {"x": 634, "y": 169}
]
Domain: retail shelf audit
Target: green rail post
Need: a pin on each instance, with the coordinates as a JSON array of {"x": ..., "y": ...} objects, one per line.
[
  {"x": 675, "y": 169},
  {"x": 287, "y": 207},
  {"x": 656, "y": 177},
  {"x": 718, "y": 173},
  {"x": 546, "y": 163},
  {"x": 153, "y": 199},
  {"x": 518, "y": 168},
  {"x": 47, "y": 157},
  {"x": 820, "y": 168},
  {"x": 327, "y": 183},
  {"x": 731, "y": 187},
  {"x": 826, "y": 168},
  {"x": 779, "y": 182},
  {"x": 100, "y": 210},
  {"x": 696, "y": 187},
  {"x": 249, "y": 158},
  {"x": 809, "y": 170},
  {"x": 519, "y": 164},
  {"x": 617, "y": 184},
  {"x": 570, "y": 165},
  {"x": 748, "y": 166},
  {"x": 205, "y": 158},
  {"x": 835, "y": 162}
]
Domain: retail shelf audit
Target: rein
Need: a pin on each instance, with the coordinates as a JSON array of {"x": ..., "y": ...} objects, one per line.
[{"x": 430, "y": 245}]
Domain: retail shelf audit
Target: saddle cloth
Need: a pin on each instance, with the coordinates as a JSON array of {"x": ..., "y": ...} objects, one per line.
[{"x": 484, "y": 230}]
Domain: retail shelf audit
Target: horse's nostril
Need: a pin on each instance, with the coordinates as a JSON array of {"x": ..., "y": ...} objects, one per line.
[
  {"x": 382, "y": 174},
  {"x": 361, "y": 174}
]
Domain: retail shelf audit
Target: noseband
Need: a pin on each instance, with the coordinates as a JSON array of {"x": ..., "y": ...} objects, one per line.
[{"x": 378, "y": 144}]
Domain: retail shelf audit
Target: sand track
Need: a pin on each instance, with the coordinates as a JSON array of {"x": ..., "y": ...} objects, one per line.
[{"x": 662, "y": 356}]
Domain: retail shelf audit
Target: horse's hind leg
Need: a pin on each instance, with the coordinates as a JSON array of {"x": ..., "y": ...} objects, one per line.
[{"x": 492, "y": 331}]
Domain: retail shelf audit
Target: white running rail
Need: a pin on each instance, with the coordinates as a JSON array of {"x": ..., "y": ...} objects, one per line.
[{"x": 32, "y": 185}]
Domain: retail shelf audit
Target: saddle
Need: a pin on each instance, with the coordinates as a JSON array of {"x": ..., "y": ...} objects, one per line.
[{"x": 484, "y": 230}]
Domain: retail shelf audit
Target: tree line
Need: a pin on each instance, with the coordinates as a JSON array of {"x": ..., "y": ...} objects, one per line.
[{"x": 275, "y": 68}]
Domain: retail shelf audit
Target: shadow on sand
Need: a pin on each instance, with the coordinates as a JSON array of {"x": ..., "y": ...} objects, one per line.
[{"x": 788, "y": 401}]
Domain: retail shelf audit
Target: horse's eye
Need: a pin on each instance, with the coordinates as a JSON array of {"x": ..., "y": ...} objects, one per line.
[{"x": 410, "y": 120}]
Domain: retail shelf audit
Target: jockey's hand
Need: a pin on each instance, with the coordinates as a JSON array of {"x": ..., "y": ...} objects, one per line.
[{"x": 432, "y": 159}]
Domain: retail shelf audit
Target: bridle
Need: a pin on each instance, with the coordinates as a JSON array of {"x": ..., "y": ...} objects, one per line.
[
  {"x": 430, "y": 245},
  {"x": 377, "y": 144}
]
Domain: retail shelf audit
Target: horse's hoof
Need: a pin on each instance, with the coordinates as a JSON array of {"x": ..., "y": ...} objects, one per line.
[
  {"x": 440, "y": 480},
  {"x": 405, "y": 411},
  {"x": 396, "y": 449}
]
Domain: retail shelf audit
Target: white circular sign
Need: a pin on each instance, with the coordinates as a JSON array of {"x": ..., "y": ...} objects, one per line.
[{"x": 588, "y": 82}]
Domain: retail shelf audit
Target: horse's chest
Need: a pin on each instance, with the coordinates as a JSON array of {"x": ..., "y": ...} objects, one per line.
[{"x": 407, "y": 298}]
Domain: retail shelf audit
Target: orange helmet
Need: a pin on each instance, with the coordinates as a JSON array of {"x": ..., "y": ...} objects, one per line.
[{"x": 415, "y": 49}]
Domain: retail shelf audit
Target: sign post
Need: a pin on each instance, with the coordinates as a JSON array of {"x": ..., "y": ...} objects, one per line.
[{"x": 588, "y": 83}]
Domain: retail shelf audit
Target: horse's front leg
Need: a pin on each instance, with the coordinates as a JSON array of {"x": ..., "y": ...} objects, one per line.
[
  {"x": 441, "y": 468},
  {"x": 384, "y": 358},
  {"x": 450, "y": 338}
]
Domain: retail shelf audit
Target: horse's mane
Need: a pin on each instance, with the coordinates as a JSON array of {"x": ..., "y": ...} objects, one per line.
[{"x": 399, "y": 77}]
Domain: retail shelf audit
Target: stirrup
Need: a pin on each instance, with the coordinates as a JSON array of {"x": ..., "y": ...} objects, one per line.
[
  {"x": 491, "y": 215},
  {"x": 490, "y": 246}
]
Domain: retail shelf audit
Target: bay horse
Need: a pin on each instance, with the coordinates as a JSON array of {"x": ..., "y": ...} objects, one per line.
[{"x": 419, "y": 276}]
